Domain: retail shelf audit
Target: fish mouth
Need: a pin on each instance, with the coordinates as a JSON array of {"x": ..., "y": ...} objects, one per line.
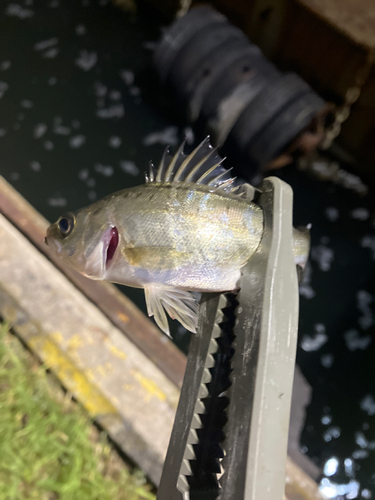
[{"x": 110, "y": 245}]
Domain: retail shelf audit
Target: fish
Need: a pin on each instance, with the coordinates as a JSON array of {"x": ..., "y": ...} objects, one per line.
[{"x": 190, "y": 228}]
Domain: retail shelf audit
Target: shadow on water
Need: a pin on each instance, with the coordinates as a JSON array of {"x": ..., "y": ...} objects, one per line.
[{"x": 81, "y": 116}]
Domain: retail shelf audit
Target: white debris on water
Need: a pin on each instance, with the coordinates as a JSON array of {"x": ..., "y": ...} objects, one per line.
[
  {"x": 361, "y": 440},
  {"x": 81, "y": 29},
  {"x": 366, "y": 493},
  {"x": 114, "y": 111},
  {"x": 331, "y": 433},
  {"x": 367, "y": 404},
  {"x": 52, "y": 80},
  {"x": 129, "y": 167},
  {"x": 167, "y": 137},
  {"x": 5, "y": 65},
  {"x": 58, "y": 128},
  {"x": 352, "y": 182},
  {"x": 331, "y": 171},
  {"x": 100, "y": 89},
  {"x": 360, "y": 454},
  {"x": 35, "y": 165},
  {"x": 26, "y": 103},
  {"x": 331, "y": 466},
  {"x": 305, "y": 288},
  {"x": 127, "y": 76},
  {"x": 51, "y": 53},
  {"x": 46, "y": 44},
  {"x": 15, "y": 10},
  {"x": 2, "y": 132},
  {"x": 86, "y": 60},
  {"x": 105, "y": 170},
  {"x": 77, "y": 141},
  {"x": 324, "y": 169},
  {"x": 14, "y": 176},
  {"x": 332, "y": 213},
  {"x": 115, "y": 141},
  {"x": 57, "y": 201},
  {"x": 368, "y": 241},
  {"x": 134, "y": 91},
  {"x": 3, "y": 88},
  {"x": 326, "y": 419},
  {"x": 48, "y": 145},
  {"x": 40, "y": 130},
  {"x": 333, "y": 490},
  {"x": 189, "y": 135},
  {"x": 115, "y": 95},
  {"x": 324, "y": 256},
  {"x": 360, "y": 213},
  {"x": 315, "y": 342},
  {"x": 364, "y": 302},
  {"x": 91, "y": 195},
  {"x": 348, "y": 466},
  {"x": 61, "y": 130},
  {"x": 83, "y": 174},
  {"x": 354, "y": 341},
  {"x": 327, "y": 360}
]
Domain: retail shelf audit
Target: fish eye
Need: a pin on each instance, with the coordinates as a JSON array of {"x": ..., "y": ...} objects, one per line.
[{"x": 66, "y": 224}]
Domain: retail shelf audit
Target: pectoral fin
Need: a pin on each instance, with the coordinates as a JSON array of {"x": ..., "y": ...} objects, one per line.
[
  {"x": 155, "y": 258},
  {"x": 179, "y": 304}
]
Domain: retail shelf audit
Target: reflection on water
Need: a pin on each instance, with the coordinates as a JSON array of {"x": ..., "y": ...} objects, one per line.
[{"x": 80, "y": 117}]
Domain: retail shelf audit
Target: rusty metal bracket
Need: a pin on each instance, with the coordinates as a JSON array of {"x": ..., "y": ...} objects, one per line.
[{"x": 229, "y": 439}]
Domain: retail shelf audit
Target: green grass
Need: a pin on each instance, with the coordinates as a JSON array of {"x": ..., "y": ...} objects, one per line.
[{"x": 49, "y": 449}]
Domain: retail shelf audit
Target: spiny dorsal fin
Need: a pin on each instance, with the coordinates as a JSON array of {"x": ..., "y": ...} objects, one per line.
[{"x": 203, "y": 166}]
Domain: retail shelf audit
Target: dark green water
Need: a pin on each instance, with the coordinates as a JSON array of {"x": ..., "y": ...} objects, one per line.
[{"x": 81, "y": 116}]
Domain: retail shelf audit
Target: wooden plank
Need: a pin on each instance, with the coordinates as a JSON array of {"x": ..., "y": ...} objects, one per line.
[
  {"x": 115, "y": 305},
  {"x": 355, "y": 18},
  {"x": 116, "y": 383}
]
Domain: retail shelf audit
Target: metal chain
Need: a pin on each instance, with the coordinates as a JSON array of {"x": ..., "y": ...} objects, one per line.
[{"x": 351, "y": 96}]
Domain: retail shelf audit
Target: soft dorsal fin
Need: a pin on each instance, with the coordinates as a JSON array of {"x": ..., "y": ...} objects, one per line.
[{"x": 203, "y": 166}]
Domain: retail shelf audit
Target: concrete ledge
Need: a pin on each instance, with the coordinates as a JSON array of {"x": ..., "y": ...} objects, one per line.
[{"x": 117, "y": 384}]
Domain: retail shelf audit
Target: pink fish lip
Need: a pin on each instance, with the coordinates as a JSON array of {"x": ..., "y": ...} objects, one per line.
[{"x": 111, "y": 241}]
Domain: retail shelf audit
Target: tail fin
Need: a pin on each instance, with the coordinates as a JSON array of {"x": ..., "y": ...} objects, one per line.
[{"x": 301, "y": 248}]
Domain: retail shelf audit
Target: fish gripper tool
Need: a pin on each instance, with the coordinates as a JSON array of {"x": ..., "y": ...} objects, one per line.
[{"x": 229, "y": 439}]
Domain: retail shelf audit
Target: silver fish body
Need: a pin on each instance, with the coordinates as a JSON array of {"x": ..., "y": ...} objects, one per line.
[
  {"x": 187, "y": 229},
  {"x": 181, "y": 237}
]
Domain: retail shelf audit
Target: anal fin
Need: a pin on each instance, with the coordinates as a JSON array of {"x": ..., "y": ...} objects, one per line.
[{"x": 179, "y": 304}]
